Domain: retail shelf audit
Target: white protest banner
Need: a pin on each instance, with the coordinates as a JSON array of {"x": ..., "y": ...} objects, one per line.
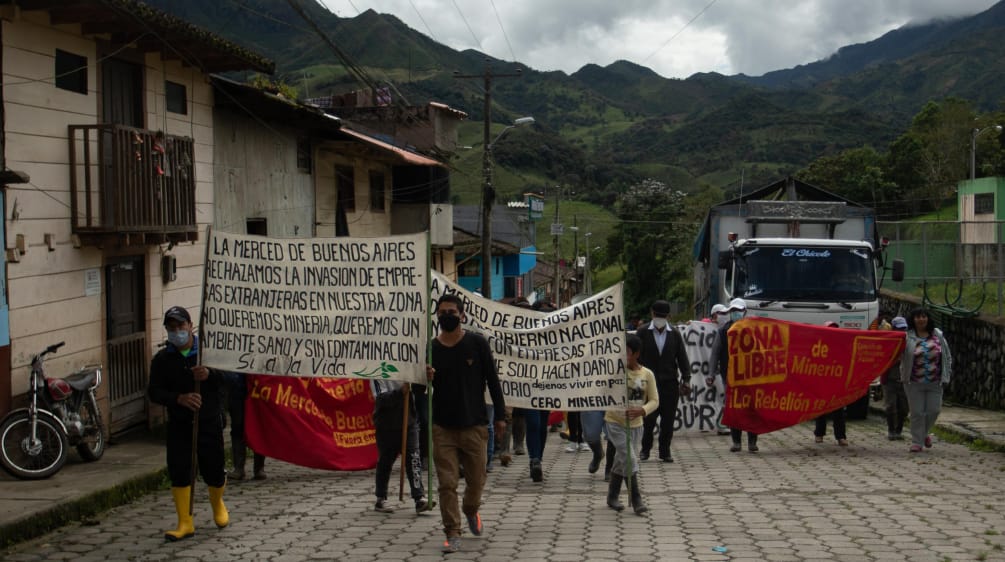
[
  {"x": 701, "y": 410},
  {"x": 572, "y": 359},
  {"x": 317, "y": 307}
]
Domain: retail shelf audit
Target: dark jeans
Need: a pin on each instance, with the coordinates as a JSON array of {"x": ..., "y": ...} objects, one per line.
[
  {"x": 575, "y": 429},
  {"x": 537, "y": 432},
  {"x": 669, "y": 392},
  {"x": 839, "y": 424},
  {"x": 895, "y": 403},
  {"x": 209, "y": 452},
  {"x": 387, "y": 421}
]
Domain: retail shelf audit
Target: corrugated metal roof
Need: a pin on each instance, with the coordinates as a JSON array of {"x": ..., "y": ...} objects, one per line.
[{"x": 406, "y": 155}]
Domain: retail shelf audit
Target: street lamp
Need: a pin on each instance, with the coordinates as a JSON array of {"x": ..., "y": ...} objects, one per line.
[
  {"x": 488, "y": 199},
  {"x": 973, "y": 147},
  {"x": 589, "y": 284}
]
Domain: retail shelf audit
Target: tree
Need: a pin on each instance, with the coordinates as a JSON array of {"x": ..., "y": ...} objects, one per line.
[
  {"x": 943, "y": 128},
  {"x": 856, "y": 174},
  {"x": 653, "y": 242}
]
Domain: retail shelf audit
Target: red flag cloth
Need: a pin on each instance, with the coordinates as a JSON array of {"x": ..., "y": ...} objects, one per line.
[
  {"x": 314, "y": 422},
  {"x": 784, "y": 373}
]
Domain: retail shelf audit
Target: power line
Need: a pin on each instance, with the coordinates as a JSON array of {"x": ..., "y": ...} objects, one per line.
[
  {"x": 423, "y": 20},
  {"x": 473, "y": 36},
  {"x": 681, "y": 30},
  {"x": 505, "y": 36}
]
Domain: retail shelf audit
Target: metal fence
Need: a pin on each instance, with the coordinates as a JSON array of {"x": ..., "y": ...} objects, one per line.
[{"x": 961, "y": 263}]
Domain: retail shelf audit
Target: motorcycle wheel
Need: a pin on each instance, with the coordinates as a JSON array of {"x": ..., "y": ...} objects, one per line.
[
  {"x": 92, "y": 445},
  {"x": 25, "y": 462}
]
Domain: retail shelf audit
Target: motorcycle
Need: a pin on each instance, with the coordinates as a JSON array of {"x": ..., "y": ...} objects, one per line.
[{"x": 34, "y": 441}]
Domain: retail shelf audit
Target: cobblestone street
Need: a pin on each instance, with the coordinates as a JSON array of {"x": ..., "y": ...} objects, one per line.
[{"x": 794, "y": 500}]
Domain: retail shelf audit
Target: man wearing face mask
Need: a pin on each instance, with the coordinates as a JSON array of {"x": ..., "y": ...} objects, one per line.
[
  {"x": 719, "y": 366},
  {"x": 664, "y": 354},
  {"x": 173, "y": 374},
  {"x": 462, "y": 368}
]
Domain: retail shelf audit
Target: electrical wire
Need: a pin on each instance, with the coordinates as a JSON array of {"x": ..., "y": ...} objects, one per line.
[
  {"x": 505, "y": 36},
  {"x": 472, "y": 31},
  {"x": 681, "y": 30},
  {"x": 423, "y": 20},
  {"x": 78, "y": 69}
]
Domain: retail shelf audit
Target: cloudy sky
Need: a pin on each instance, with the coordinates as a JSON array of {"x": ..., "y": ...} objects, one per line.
[{"x": 676, "y": 38}]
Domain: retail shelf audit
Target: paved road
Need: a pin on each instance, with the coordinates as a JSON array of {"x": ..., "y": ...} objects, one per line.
[{"x": 794, "y": 500}]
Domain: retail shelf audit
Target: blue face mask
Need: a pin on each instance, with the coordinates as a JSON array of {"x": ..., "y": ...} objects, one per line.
[
  {"x": 179, "y": 338},
  {"x": 736, "y": 315}
]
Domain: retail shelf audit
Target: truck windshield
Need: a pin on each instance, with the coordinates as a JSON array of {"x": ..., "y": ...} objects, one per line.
[{"x": 793, "y": 273}]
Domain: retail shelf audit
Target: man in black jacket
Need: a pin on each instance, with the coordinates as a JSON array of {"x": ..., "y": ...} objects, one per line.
[
  {"x": 173, "y": 374},
  {"x": 462, "y": 369},
  {"x": 664, "y": 354}
]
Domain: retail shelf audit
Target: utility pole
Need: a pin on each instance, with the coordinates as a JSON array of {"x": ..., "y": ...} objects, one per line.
[
  {"x": 556, "y": 230},
  {"x": 488, "y": 192}
]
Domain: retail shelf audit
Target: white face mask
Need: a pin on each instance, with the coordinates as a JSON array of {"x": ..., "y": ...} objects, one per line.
[
  {"x": 659, "y": 323},
  {"x": 721, "y": 318}
]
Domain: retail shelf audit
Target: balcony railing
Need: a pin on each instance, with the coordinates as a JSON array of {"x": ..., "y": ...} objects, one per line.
[{"x": 133, "y": 185}]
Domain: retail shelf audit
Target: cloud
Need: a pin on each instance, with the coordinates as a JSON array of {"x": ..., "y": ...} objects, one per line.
[{"x": 731, "y": 36}]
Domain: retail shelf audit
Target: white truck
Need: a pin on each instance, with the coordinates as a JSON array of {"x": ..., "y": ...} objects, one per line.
[{"x": 793, "y": 252}]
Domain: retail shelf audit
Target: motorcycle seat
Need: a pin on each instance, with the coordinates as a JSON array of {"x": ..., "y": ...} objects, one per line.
[{"x": 82, "y": 379}]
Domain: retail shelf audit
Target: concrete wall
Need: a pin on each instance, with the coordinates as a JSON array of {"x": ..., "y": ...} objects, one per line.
[
  {"x": 978, "y": 349},
  {"x": 363, "y": 221}
]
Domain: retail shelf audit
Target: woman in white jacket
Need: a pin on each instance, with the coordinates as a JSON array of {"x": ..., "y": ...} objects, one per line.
[{"x": 926, "y": 366}]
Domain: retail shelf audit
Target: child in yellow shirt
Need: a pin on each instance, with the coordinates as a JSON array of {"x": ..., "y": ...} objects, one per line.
[{"x": 624, "y": 426}]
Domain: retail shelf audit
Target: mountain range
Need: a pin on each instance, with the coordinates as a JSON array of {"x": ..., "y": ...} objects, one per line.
[{"x": 602, "y": 128}]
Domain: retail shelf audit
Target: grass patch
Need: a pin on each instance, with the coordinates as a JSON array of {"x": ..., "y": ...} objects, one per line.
[
  {"x": 974, "y": 444},
  {"x": 83, "y": 509}
]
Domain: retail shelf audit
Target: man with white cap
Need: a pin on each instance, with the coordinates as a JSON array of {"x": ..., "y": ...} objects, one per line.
[
  {"x": 737, "y": 309},
  {"x": 719, "y": 314}
]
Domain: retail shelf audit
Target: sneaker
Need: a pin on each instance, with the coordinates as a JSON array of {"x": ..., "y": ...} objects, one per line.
[
  {"x": 898, "y": 436},
  {"x": 928, "y": 441},
  {"x": 915, "y": 448},
  {"x": 382, "y": 506},
  {"x": 891, "y": 436},
  {"x": 735, "y": 447},
  {"x": 519, "y": 451},
  {"x": 571, "y": 448},
  {"x": 752, "y": 448},
  {"x": 818, "y": 438},
  {"x": 843, "y": 442},
  {"x": 584, "y": 446},
  {"x": 488, "y": 467},
  {"x": 451, "y": 544},
  {"x": 505, "y": 459},
  {"x": 421, "y": 504},
  {"x": 475, "y": 524}
]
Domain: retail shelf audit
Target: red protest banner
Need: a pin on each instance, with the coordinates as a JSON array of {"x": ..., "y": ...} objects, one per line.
[
  {"x": 313, "y": 422},
  {"x": 784, "y": 373}
]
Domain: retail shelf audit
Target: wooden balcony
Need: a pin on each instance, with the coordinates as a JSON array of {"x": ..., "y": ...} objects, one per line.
[{"x": 131, "y": 186}]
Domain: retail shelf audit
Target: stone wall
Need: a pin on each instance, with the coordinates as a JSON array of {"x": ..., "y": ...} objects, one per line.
[{"x": 978, "y": 348}]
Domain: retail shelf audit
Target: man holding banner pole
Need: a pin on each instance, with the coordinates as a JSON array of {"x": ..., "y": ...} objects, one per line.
[{"x": 461, "y": 370}]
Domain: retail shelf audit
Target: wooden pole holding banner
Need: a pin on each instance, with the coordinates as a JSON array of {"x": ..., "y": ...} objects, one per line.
[
  {"x": 195, "y": 444},
  {"x": 406, "y": 390},
  {"x": 198, "y": 361},
  {"x": 431, "y": 503},
  {"x": 628, "y": 439}
]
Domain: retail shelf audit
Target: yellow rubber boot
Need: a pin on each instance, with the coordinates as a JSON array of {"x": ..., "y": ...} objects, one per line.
[
  {"x": 182, "y": 502},
  {"x": 220, "y": 515}
]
